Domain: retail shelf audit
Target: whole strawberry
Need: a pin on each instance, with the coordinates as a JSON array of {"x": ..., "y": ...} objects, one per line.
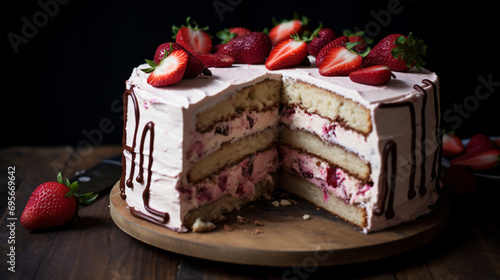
[
  {"x": 398, "y": 52},
  {"x": 250, "y": 48},
  {"x": 322, "y": 36},
  {"x": 53, "y": 204}
]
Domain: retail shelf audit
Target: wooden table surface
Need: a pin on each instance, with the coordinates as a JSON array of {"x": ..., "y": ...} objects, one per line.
[{"x": 95, "y": 248}]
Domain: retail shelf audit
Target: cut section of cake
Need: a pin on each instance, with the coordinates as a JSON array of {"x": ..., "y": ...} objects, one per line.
[{"x": 209, "y": 145}]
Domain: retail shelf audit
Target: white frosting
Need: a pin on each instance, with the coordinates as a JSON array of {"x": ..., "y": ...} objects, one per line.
[{"x": 173, "y": 110}]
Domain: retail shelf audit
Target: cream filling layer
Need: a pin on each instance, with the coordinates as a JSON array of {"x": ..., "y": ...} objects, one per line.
[
  {"x": 237, "y": 180},
  {"x": 331, "y": 180}
]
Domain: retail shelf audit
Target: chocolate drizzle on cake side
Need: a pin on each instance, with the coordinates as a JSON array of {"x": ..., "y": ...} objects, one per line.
[
  {"x": 149, "y": 129},
  {"x": 390, "y": 148}
]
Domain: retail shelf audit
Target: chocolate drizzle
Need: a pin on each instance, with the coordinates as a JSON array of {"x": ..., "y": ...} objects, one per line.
[
  {"x": 148, "y": 129},
  {"x": 391, "y": 148}
]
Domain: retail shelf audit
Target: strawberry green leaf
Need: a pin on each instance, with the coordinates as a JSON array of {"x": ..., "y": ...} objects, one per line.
[
  {"x": 86, "y": 198},
  {"x": 411, "y": 50}
]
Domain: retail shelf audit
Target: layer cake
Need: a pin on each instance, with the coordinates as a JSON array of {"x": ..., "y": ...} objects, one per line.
[{"x": 206, "y": 146}]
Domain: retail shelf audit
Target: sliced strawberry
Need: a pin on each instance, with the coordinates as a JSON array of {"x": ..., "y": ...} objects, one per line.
[
  {"x": 339, "y": 42},
  {"x": 195, "y": 66},
  {"x": 193, "y": 38},
  {"x": 215, "y": 60},
  {"x": 452, "y": 145},
  {"x": 322, "y": 36},
  {"x": 482, "y": 161},
  {"x": 286, "y": 53},
  {"x": 170, "y": 70},
  {"x": 339, "y": 61},
  {"x": 479, "y": 143},
  {"x": 375, "y": 75},
  {"x": 283, "y": 30}
]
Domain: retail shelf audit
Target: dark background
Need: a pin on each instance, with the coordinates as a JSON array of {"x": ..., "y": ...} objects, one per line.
[{"x": 64, "y": 84}]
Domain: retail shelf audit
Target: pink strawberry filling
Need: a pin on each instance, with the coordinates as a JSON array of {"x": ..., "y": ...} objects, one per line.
[
  {"x": 238, "y": 180},
  {"x": 247, "y": 123},
  {"x": 330, "y": 179}
]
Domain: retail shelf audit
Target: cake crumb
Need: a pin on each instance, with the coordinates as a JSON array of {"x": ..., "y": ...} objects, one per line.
[
  {"x": 227, "y": 228},
  {"x": 285, "y": 202},
  {"x": 306, "y": 217},
  {"x": 201, "y": 226},
  {"x": 275, "y": 203},
  {"x": 242, "y": 220},
  {"x": 257, "y": 231},
  {"x": 258, "y": 223}
]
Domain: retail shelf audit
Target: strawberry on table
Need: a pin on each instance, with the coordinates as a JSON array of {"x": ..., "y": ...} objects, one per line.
[
  {"x": 479, "y": 143},
  {"x": 287, "y": 53},
  {"x": 284, "y": 29},
  {"x": 452, "y": 145},
  {"x": 339, "y": 61},
  {"x": 322, "y": 36},
  {"x": 169, "y": 71},
  {"x": 192, "y": 37},
  {"x": 53, "y": 204},
  {"x": 375, "y": 75},
  {"x": 398, "y": 52},
  {"x": 194, "y": 67},
  {"x": 251, "y": 48},
  {"x": 479, "y": 161}
]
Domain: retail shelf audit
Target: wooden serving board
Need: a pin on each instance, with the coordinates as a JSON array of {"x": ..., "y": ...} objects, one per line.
[{"x": 286, "y": 239}]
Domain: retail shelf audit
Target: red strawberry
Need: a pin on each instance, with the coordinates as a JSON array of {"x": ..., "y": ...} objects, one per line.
[
  {"x": 251, "y": 48},
  {"x": 374, "y": 75},
  {"x": 339, "y": 61},
  {"x": 239, "y": 31},
  {"x": 361, "y": 41},
  {"x": 194, "y": 67},
  {"x": 479, "y": 143},
  {"x": 322, "y": 36},
  {"x": 193, "y": 38},
  {"x": 53, "y": 204},
  {"x": 170, "y": 70},
  {"x": 283, "y": 30},
  {"x": 481, "y": 161},
  {"x": 339, "y": 42},
  {"x": 215, "y": 60},
  {"x": 497, "y": 142},
  {"x": 398, "y": 52},
  {"x": 452, "y": 145},
  {"x": 287, "y": 53}
]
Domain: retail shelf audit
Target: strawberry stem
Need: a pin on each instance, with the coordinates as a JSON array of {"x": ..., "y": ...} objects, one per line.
[{"x": 83, "y": 199}]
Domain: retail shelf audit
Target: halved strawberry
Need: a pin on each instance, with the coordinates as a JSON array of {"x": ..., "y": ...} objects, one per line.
[
  {"x": 339, "y": 42},
  {"x": 482, "y": 161},
  {"x": 215, "y": 60},
  {"x": 452, "y": 145},
  {"x": 193, "y": 38},
  {"x": 287, "y": 53},
  {"x": 375, "y": 75},
  {"x": 170, "y": 70},
  {"x": 195, "y": 66},
  {"x": 339, "y": 62},
  {"x": 283, "y": 30},
  {"x": 479, "y": 143}
]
